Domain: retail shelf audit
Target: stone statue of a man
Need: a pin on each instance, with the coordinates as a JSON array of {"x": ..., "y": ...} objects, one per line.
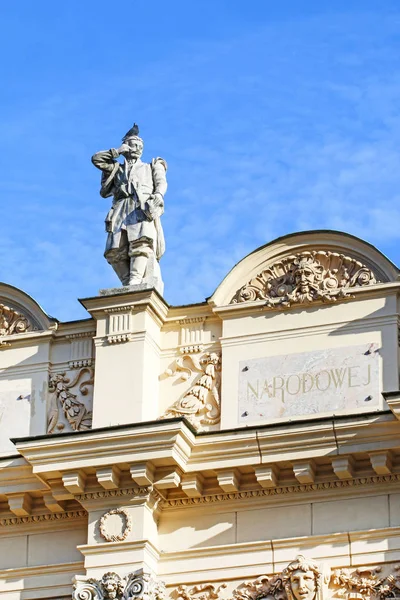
[{"x": 135, "y": 241}]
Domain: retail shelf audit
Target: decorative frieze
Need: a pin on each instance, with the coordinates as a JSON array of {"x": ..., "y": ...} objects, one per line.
[
  {"x": 111, "y": 586},
  {"x": 304, "y": 579},
  {"x": 305, "y": 278},
  {"x": 75, "y": 514},
  {"x": 200, "y": 405},
  {"x": 137, "y": 492},
  {"x": 73, "y": 411},
  {"x": 281, "y": 490}
]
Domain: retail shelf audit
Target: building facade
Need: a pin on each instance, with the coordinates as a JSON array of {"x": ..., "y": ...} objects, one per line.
[{"x": 193, "y": 452}]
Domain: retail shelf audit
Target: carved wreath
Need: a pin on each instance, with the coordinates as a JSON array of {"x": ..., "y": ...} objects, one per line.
[{"x": 127, "y": 527}]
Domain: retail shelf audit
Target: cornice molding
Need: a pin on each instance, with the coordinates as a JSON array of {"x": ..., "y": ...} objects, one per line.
[{"x": 40, "y": 570}]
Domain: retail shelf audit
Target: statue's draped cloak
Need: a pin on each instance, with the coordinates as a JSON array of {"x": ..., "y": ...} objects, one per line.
[{"x": 132, "y": 209}]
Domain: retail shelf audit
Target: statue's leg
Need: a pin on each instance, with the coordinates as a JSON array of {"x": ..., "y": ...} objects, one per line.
[
  {"x": 140, "y": 252},
  {"x": 119, "y": 259}
]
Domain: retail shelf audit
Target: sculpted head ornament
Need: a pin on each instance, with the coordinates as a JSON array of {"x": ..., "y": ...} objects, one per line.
[
  {"x": 113, "y": 586},
  {"x": 303, "y": 579},
  {"x": 317, "y": 275}
]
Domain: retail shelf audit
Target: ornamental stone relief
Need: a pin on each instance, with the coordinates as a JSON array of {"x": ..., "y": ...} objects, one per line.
[
  {"x": 305, "y": 278},
  {"x": 12, "y": 322},
  {"x": 200, "y": 405},
  {"x": 205, "y": 591},
  {"x": 305, "y": 579},
  {"x": 66, "y": 411},
  {"x": 111, "y": 586},
  {"x": 117, "y": 518}
]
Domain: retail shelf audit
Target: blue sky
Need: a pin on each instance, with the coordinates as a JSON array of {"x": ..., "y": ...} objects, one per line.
[{"x": 273, "y": 117}]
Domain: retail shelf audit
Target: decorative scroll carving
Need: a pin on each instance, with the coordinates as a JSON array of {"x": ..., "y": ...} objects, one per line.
[
  {"x": 126, "y": 529},
  {"x": 367, "y": 582},
  {"x": 200, "y": 404},
  {"x": 12, "y": 321},
  {"x": 305, "y": 278},
  {"x": 75, "y": 412},
  {"x": 111, "y": 586},
  {"x": 205, "y": 591}
]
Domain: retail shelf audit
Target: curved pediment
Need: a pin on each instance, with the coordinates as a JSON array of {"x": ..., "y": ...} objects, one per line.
[
  {"x": 302, "y": 268},
  {"x": 21, "y": 314}
]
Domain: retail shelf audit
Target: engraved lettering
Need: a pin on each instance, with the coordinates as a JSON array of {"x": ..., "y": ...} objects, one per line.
[
  {"x": 304, "y": 382},
  {"x": 280, "y": 387},
  {"x": 251, "y": 390},
  {"x": 338, "y": 376},
  {"x": 295, "y": 390},
  {"x": 318, "y": 383},
  {"x": 353, "y": 376}
]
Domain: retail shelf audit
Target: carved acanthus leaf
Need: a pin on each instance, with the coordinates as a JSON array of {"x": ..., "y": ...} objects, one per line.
[
  {"x": 305, "y": 278},
  {"x": 76, "y": 413},
  {"x": 200, "y": 404},
  {"x": 12, "y": 321}
]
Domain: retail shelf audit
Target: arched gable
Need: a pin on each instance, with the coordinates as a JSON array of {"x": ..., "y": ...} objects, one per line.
[
  {"x": 21, "y": 314},
  {"x": 333, "y": 261}
]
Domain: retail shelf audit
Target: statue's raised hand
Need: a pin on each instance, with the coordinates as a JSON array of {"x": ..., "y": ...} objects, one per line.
[{"x": 124, "y": 149}]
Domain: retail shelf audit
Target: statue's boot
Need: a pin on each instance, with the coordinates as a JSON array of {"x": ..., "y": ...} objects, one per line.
[
  {"x": 138, "y": 269},
  {"x": 122, "y": 269}
]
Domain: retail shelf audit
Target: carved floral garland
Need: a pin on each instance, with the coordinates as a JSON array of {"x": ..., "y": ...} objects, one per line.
[
  {"x": 306, "y": 277},
  {"x": 127, "y": 528}
]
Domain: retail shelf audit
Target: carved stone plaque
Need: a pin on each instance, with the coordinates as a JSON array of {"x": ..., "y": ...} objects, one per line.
[{"x": 309, "y": 383}]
